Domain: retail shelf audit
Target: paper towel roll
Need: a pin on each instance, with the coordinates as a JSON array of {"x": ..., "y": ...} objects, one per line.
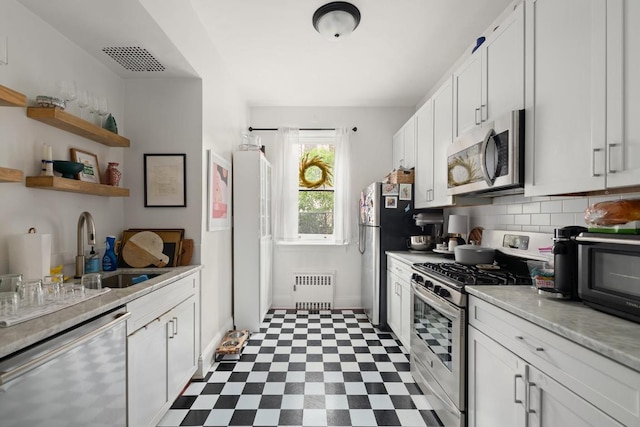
[{"x": 30, "y": 255}]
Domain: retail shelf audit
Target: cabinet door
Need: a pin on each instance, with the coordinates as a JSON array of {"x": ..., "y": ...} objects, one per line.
[
  {"x": 496, "y": 383},
  {"x": 442, "y": 138},
  {"x": 467, "y": 82},
  {"x": 552, "y": 405},
  {"x": 393, "y": 303},
  {"x": 398, "y": 149},
  {"x": 146, "y": 373},
  {"x": 266, "y": 287},
  {"x": 565, "y": 96},
  {"x": 409, "y": 143},
  {"x": 503, "y": 56},
  {"x": 424, "y": 156},
  {"x": 623, "y": 93},
  {"x": 181, "y": 350},
  {"x": 405, "y": 314}
]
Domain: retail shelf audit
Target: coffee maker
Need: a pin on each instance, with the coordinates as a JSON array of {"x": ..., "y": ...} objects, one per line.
[{"x": 565, "y": 261}]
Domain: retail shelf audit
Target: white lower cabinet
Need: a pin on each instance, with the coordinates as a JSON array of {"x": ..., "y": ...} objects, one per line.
[
  {"x": 522, "y": 375},
  {"x": 399, "y": 300},
  {"x": 162, "y": 354}
]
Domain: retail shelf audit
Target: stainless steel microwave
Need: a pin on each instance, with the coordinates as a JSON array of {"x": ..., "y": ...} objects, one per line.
[
  {"x": 609, "y": 273},
  {"x": 489, "y": 159}
]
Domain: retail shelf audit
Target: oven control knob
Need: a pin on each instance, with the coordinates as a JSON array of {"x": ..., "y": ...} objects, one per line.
[
  {"x": 428, "y": 284},
  {"x": 436, "y": 289},
  {"x": 444, "y": 293}
]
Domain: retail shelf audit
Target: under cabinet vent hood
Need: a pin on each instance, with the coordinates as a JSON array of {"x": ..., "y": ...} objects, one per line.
[{"x": 134, "y": 58}]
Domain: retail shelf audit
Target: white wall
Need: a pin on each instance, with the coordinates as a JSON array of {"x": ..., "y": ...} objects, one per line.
[
  {"x": 39, "y": 57},
  {"x": 223, "y": 115},
  {"x": 371, "y": 161}
]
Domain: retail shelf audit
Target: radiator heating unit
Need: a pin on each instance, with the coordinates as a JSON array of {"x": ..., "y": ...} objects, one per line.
[{"x": 313, "y": 291}]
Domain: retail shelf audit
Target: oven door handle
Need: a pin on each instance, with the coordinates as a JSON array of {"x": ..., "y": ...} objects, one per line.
[
  {"x": 483, "y": 159},
  {"x": 442, "y": 308}
]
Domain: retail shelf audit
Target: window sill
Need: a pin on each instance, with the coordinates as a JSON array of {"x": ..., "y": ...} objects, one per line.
[{"x": 310, "y": 243}]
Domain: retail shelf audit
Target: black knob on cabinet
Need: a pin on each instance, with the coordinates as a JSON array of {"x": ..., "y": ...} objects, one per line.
[
  {"x": 444, "y": 293},
  {"x": 436, "y": 289},
  {"x": 428, "y": 284}
]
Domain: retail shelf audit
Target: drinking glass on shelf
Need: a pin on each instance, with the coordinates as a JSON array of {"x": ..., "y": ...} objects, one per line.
[
  {"x": 93, "y": 107},
  {"x": 83, "y": 101},
  {"x": 103, "y": 109},
  {"x": 68, "y": 91}
]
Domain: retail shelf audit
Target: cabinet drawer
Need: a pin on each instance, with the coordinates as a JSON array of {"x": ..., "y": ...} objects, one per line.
[
  {"x": 610, "y": 386},
  {"x": 399, "y": 268},
  {"x": 151, "y": 306}
]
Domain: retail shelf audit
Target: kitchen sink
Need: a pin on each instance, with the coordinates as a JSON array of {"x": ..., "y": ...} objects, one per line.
[{"x": 124, "y": 280}]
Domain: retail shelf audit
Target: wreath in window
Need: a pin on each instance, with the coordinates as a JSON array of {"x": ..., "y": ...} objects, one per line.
[{"x": 307, "y": 163}]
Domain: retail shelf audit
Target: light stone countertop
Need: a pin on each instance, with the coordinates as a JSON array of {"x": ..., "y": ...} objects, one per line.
[
  {"x": 21, "y": 335},
  {"x": 415, "y": 257},
  {"x": 613, "y": 337}
]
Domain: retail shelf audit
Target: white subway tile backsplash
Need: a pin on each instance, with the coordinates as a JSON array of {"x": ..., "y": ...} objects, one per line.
[
  {"x": 522, "y": 219},
  {"x": 541, "y": 219},
  {"x": 574, "y": 205},
  {"x": 531, "y": 208},
  {"x": 514, "y": 227},
  {"x": 514, "y": 209},
  {"x": 551, "y": 206},
  {"x": 563, "y": 219},
  {"x": 531, "y": 228},
  {"x": 578, "y": 219}
]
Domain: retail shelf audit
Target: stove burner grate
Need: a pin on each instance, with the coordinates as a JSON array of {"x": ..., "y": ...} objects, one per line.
[{"x": 462, "y": 275}]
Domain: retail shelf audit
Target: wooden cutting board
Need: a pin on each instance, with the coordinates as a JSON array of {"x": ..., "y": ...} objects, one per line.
[
  {"x": 476, "y": 235},
  {"x": 144, "y": 249},
  {"x": 186, "y": 252}
]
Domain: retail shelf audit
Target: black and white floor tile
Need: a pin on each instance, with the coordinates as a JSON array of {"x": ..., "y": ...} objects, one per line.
[{"x": 327, "y": 368}]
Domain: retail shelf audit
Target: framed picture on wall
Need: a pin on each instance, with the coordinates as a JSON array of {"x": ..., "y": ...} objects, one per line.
[
  {"x": 91, "y": 170},
  {"x": 219, "y": 193},
  {"x": 165, "y": 180}
]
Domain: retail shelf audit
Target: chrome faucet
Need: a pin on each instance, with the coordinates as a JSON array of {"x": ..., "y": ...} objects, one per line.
[{"x": 85, "y": 218}]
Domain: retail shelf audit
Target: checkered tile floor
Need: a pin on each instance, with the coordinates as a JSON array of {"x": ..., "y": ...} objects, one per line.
[{"x": 330, "y": 368}]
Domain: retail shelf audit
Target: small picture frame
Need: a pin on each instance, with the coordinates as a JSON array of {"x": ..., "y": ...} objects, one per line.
[
  {"x": 91, "y": 171},
  {"x": 390, "y": 202},
  {"x": 389, "y": 189},
  {"x": 165, "y": 180},
  {"x": 405, "y": 191}
]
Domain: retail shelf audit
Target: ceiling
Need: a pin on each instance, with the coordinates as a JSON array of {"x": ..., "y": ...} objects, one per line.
[{"x": 397, "y": 54}]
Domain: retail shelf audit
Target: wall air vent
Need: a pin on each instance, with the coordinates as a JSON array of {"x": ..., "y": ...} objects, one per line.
[{"x": 134, "y": 58}]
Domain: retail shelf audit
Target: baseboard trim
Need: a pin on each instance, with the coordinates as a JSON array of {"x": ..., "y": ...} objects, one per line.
[{"x": 207, "y": 358}]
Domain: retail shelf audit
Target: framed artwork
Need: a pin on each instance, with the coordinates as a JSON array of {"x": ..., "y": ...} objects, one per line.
[
  {"x": 171, "y": 243},
  {"x": 405, "y": 191},
  {"x": 91, "y": 171},
  {"x": 389, "y": 189},
  {"x": 165, "y": 180},
  {"x": 219, "y": 193},
  {"x": 390, "y": 202}
]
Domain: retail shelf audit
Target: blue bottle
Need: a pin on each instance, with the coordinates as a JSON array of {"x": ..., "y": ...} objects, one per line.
[{"x": 109, "y": 260}]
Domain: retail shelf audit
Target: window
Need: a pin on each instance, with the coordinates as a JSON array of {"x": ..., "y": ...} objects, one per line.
[
  {"x": 318, "y": 209},
  {"x": 316, "y": 171}
]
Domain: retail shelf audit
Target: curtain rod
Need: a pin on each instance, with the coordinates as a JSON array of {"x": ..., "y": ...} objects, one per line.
[{"x": 251, "y": 129}]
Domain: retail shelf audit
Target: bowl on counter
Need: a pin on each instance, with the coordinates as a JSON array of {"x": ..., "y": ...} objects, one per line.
[
  {"x": 474, "y": 254},
  {"x": 421, "y": 243}
]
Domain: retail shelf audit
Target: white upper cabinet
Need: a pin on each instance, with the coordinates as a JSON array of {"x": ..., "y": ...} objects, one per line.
[
  {"x": 565, "y": 96},
  {"x": 423, "y": 187},
  {"x": 491, "y": 82},
  {"x": 623, "y": 93},
  {"x": 404, "y": 145}
]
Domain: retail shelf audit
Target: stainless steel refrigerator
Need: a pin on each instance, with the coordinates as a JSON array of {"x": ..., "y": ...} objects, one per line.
[{"x": 385, "y": 224}]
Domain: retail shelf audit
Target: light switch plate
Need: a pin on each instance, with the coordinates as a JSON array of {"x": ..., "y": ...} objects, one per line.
[{"x": 4, "y": 50}]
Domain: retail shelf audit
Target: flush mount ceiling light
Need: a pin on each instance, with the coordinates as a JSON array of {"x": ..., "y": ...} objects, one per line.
[{"x": 336, "y": 19}]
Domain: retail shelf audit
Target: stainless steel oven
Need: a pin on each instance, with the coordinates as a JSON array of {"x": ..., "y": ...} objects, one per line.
[{"x": 438, "y": 348}]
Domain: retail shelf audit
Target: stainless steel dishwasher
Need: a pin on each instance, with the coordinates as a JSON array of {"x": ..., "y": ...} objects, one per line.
[{"x": 77, "y": 378}]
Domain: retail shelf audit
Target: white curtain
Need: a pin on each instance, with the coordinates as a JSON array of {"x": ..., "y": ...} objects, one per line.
[
  {"x": 285, "y": 186},
  {"x": 342, "y": 185}
]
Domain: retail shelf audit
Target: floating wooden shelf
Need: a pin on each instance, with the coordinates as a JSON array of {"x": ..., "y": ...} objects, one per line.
[
  {"x": 11, "y": 98},
  {"x": 62, "y": 120},
  {"x": 11, "y": 175},
  {"x": 75, "y": 186}
]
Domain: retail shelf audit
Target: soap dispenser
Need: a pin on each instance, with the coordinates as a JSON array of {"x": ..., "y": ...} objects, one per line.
[{"x": 109, "y": 260}]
